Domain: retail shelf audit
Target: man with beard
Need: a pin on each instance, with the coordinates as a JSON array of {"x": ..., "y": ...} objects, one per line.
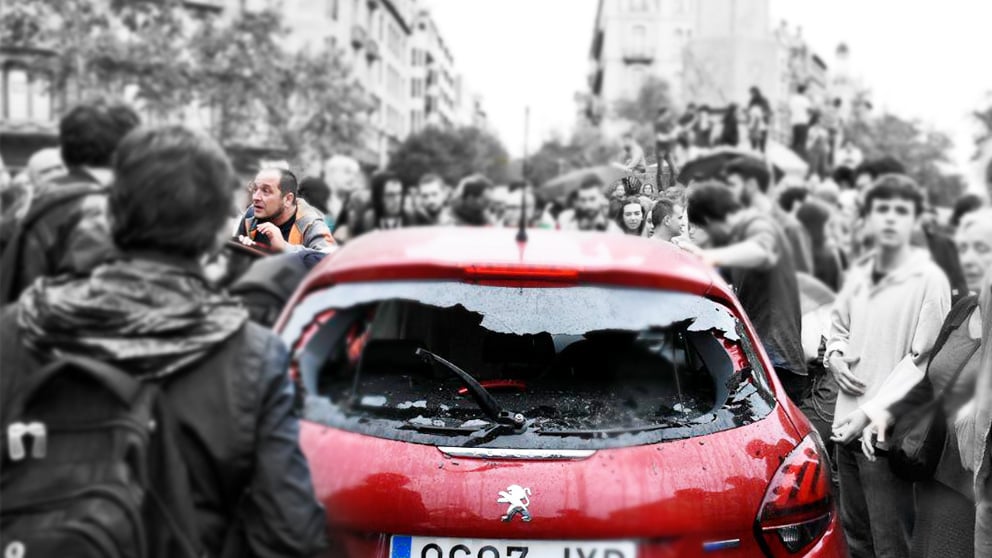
[
  {"x": 752, "y": 248},
  {"x": 431, "y": 198},
  {"x": 279, "y": 219},
  {"x": 587, "y": 215}
]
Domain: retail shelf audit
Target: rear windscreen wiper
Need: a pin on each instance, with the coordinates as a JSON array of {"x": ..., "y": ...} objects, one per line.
[{"x": 482, "y": 397}]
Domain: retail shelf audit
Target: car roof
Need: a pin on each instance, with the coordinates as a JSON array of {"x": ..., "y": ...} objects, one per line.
[{"x": 446, "y": 252}]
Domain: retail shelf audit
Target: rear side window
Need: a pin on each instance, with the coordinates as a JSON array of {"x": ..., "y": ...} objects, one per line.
[{"x": 558, "y": 368}]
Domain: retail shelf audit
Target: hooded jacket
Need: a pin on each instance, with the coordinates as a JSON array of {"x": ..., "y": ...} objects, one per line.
[{"x": 224, "y": 378}]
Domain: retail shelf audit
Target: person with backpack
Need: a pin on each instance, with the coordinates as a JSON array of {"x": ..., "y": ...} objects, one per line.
[
  {"x": 176, "y": 413},
  {"x": 65, "y": 229}
]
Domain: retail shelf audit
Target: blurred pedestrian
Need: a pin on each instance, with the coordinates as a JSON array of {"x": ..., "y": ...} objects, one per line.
[
  {"x": 729, "y": 126},
  {"x": 849, "y": 155},
  {"x": 666, "y": 219},
  {"x": 386, "y": 207},
  {"x": 470, "y": 203},
  {"x": 799, "y": 114},
  {"x": 832, "y": 121},
  {"x": 433, "y": 197},
  {"x": 631, "y": 156},
  {"x": 66, "y": 229},
  {"x": 828, "y": 263},
  {"x": 817, "y": 148},
  {"x": 750, "y": 181},
  {"x": 753, "y": 249},
  {"x": 665, "y": 135},
  {"x": 151, "y": 314},
  {"x": 588, "y": 212},
  {"x": 702, "y": 132},
  {"x": 883, "y": 326},
  {"x": 758, "y": 120}
]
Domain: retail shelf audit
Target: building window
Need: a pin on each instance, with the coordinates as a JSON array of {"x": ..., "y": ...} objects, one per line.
[
  {"x": 639, "y": 5},
  {"x": 332, "y": 9},
  {"x": 17, "y": 93}
]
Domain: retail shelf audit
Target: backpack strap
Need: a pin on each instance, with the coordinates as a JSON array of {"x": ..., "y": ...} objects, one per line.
[
  {"x": 60, "y": 196},
  {"x": 960, "y": 312}
]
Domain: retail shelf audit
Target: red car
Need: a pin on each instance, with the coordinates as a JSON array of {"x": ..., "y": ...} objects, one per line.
[{"x": 576, "y": 395}]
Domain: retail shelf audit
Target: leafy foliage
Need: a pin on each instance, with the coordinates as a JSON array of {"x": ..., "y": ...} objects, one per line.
[
  {"x": 452, "y": 154},
  {"x": 923, "y": 151},
  {"x": 170, "y": 58}
]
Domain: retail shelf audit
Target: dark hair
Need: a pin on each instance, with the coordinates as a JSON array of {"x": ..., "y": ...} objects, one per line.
[
  {"x": 965, "y": 205},
  {"x": 475, "y": 185},
  {"x": 877, "y": 167},
  {"x": 662, "y": 208},
  {"x": 170, "y": 163},
  {"x": 814, "y": 215},
  {"x": 711, "y": 201},
  {"x": 838, "y": 102},
  {"x": 748, "y": 167},
  {"x": 517, "y": 185},
  {"x": 378, "y": 187},
  {"x": 288, "y": 184},
  {"x": 89, "y": 133},
  {"x": 591, "y": 181},
  {"x": 842, "y": 175},
  {"x": 316, "y": 192},
  {"x": 429, "y": 178},
  {"x": 631, "y": 185},
  {"x": 791, "y": 196},
  {"x": 801, "y": 88},
  {"x": 631, "y": 200},
  {"x": 895, "y": 187}
]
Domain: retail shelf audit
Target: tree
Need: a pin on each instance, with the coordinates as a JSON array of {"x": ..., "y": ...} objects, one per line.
[
  {"x": 587, "y": 147},
  {"x": 923, "y": 151},
  {"x": 452, "y": 154},
  {"x": 327, "y": 107},
  {"x": 100, "y": 51}
]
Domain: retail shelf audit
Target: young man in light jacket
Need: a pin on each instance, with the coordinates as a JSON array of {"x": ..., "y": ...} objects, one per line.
[{"x": 883, "y": 326}]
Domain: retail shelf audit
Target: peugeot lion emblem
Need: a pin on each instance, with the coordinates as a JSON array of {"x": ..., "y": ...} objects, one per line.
[{"x": 517, "y": 498}]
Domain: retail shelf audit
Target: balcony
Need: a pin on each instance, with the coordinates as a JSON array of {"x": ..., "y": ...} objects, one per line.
[
  {"x": 358, "y": 36},
  {"x": 637, "y": 55},
  {"x": 372, "y": 50}
]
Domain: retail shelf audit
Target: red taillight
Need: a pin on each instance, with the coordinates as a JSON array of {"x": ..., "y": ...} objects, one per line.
[
  {"x": 797, "y": 507},
  {"x": 521, "y": 272}
]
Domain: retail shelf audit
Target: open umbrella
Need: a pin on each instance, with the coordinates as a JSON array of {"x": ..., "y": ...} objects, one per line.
[
  {"x": 708, "y": 166},
  {"x": 559, "y": 187}
]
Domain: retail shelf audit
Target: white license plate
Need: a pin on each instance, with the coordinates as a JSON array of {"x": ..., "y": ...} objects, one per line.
[{"x": 402, "y": 546}]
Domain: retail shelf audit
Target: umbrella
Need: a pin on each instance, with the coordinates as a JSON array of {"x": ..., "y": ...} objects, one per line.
[
  {"x": 709, "y": 165},
  {"x": 560, "y": 187},
  {"x": 815, "y": 302}
]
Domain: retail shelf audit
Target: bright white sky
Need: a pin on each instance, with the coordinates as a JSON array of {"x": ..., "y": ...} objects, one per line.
[{"x": 922, "y": 58}]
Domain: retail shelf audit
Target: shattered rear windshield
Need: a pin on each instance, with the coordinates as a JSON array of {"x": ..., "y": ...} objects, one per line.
[{"x": 582, "y": 367}]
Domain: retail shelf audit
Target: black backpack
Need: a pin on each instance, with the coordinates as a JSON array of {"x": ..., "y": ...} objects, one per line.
[{"x": 91, "y": 468}]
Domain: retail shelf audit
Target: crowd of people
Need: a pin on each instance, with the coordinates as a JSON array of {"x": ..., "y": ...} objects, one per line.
[{"x": 114, "y": 249}]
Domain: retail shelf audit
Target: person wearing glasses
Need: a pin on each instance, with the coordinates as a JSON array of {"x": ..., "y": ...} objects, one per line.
[{"x": 279, "y": 219}]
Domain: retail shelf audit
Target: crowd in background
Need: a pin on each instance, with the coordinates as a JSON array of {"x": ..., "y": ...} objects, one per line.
[{"x": 909, "y": 321}]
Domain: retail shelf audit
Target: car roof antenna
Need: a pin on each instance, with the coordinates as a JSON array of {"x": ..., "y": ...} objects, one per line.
[{"x": 522, "y": 231}]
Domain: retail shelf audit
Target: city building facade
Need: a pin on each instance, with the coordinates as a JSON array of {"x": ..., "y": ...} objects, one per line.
[{"x": 393, "y": 49}]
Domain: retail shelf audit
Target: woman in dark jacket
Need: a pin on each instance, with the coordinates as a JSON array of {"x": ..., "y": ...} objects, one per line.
[{"x": 730, "y": 134}]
